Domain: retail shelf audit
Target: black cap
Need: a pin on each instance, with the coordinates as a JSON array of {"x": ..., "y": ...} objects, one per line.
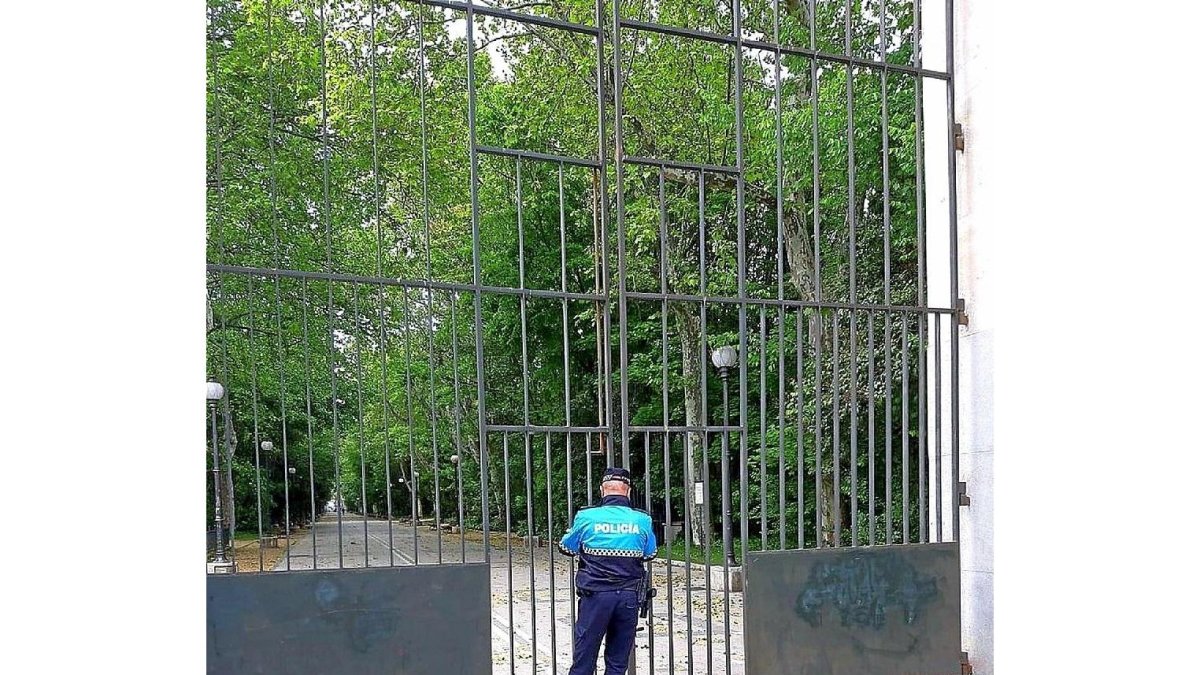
[{"x": 616, "y": 473}]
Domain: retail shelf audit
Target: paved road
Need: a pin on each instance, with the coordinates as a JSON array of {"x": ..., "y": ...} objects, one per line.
[{"x": 534, "y": 597}]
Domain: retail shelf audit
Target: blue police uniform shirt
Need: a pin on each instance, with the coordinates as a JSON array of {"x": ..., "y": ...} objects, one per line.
[{"x": 612, "y": 540}]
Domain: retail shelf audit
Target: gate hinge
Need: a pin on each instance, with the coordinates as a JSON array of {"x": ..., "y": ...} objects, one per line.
[
  {"x": 966, "y": 664},
  {"x": 963, "y": 498},
  {"x": 960, "y": 312},
  {"x": 960, "y": 141}
]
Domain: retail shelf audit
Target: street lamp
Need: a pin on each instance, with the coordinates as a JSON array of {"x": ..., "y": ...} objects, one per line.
[
  {"x": 220, "y": 564},
  {"x": 725, "y": 359}
]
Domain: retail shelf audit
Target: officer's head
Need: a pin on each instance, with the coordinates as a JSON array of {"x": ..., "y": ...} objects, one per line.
[{"x": 615, "y": 482}]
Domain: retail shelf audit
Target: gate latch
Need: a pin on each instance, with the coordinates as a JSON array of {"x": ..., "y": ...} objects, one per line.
[
  {"x": 966, "y": 664},
  {"x": 963, "y": 498},
  {"x": 960, "y": 141}
]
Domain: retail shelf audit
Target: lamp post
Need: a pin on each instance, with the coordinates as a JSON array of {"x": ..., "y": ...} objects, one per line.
[
  {"x": 725, "y": 359},
  {"x": 220, "y": 564}
]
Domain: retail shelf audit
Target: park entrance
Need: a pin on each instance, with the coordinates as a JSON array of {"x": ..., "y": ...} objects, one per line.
[{"x": 462, "y": 256}]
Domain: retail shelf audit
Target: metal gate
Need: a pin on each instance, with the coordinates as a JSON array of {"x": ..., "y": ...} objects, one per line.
[{"x": 464, "y": 255}]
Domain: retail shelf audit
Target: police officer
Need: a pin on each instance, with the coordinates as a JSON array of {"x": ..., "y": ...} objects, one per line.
[{"x": 612, "y": 540}]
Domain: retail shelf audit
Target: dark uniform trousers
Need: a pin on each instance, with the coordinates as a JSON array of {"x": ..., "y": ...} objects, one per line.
[{"x": 612, "y": 615}]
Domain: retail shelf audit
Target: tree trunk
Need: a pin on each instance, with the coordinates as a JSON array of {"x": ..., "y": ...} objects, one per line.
[{"x": 693, "y": 360}]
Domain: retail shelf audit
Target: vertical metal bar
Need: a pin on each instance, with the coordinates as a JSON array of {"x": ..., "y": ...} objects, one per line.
[
  {"x": 818, "y": 495},
  {"x": 836, "y": 454},
  {"x": 522, "y": 302},
  {"x": 816, "y": 141},
  {"x": 887, "y": 163},
  {"x": 669, "y": 541},
  {"x": 649, "y": 565},
  {"x": 762, "y": 431},
  {"x": 743, "y": 351},
  {"x": 562, "y": 244},
  {"x": 888, "y": 461},
  {"x": 362, "y": 446},
  {"x": 779, "y": 294},
  {"x": 437, "y": 485},
  {"x": 800, "y": 429},
  {"x": 906, "y": 446},
  {"x": 606, "y": 361},
  {"x": 375, "y": 148},
  {"x": 387, "y": 442},
  {"x": 549, "y": 552},
  {"x": 530, "y": 533},
  {"x": 952, "y": 181},
  {"x": 477, "y": 282},
  {"x": 312, "y": 485},
  {"x": 937, "y": 420},
  {"x": 922, "y": 288},
  {"x": 619, "y": 160},
  {"x": 570, "y": 519},
  {"x": 783, "y": 438},
  {"x": 726, "y": 510},
  {"x": 664, "y": 262},
  {"x": 705, "y": 478},
  {"x": 325, "y": 216},
  {"x": 871, "y": 426},
  {"x": 852, "y": 219},
  {"x": 819, "y": 422},
  {"x": 512, "y": 645},
  {"x": 277, "y": 257},
  {"x": 216, "y": 473},
  {"x": 922, "y": 431},
  {"x": 462, "y": 533},
  {"x": 254, "y": 409},
  {"x": 413, "y": 479},
  {"x": 854, "y": 391},
  {"x": 689, "y": 491},
  {"x": 588, "y": 449},
  {"x": 287, "y": 478}
]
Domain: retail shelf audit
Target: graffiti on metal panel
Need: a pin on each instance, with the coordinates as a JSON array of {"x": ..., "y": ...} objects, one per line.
[{"x": 864, "y": 589}]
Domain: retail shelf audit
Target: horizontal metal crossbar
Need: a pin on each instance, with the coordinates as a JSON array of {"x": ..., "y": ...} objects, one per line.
[
  {"x": 718, "y": 38},
  {"x": 510, "y": 15},
  {"x": 401, "y": 283},
  {"x": 687, "y": 166},
  {"x": 546, "y": 429},
  {"x": 539, "y": 156},
  {"x": 775, "y": 302}
]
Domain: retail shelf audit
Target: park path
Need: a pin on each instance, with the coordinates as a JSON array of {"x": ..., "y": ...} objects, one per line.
[{"x": 532, "y": 624}]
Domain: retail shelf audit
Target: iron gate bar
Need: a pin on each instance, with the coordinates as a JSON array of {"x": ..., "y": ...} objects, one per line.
[
  {"x": 762, "y": 430},
  {"x": 662, "y": 163},
  {"x": 836, "y": 453},
  {"x": 904, "y": 429},
  {"x": 462, "y": 532},
  {"x": 952, "y": 197},
  {"x": 728, "y": 300},
  {"x": 812, "y": 53},
  {"x": 799, "y": 431},
  {"x": 681, "y": 428},
  {"x": 254, "y": 437},
  {"x": 477, "y": 279},
  {"x": 437, "y": 492},
  {"x": 937, "y": 419},
  {"x": 545, "y": 428},
  {"x": 312, "y": 484},
  {"x": 779, "y": 141},
  {"x": 871, "y": 524},
  {"x": 540, "y": 156},
  {"x": 416, "y": 284},
  {"x": 509, "y": 15},
  {"x": 362, "y": 448}
]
